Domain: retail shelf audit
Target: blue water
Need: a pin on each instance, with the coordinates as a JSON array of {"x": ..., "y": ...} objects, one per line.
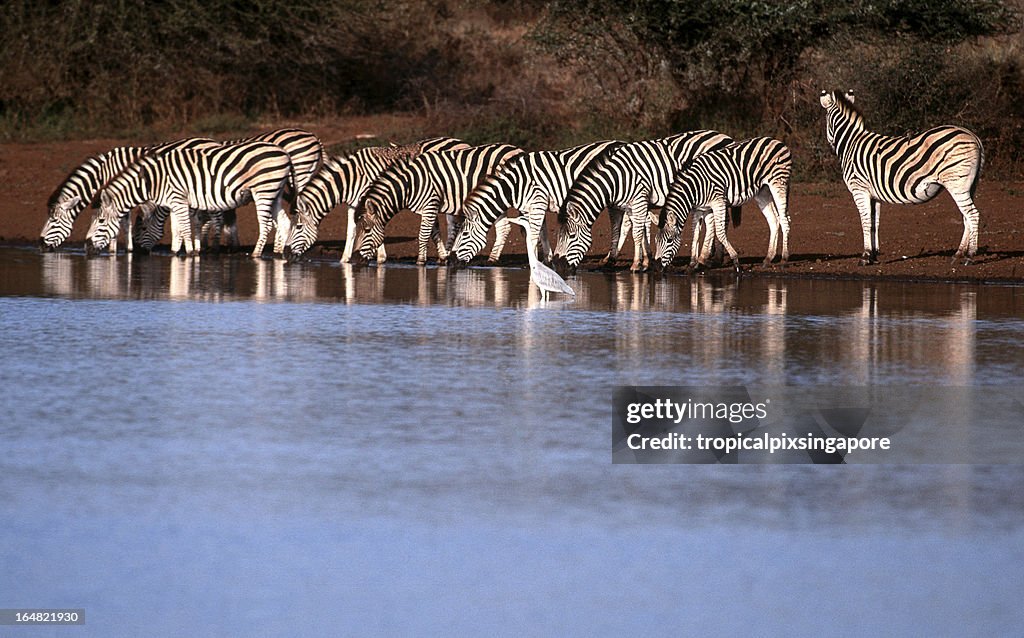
[{"x": 229, "y": 447}]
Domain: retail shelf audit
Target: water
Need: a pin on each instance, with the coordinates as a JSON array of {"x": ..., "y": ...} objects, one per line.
[{"x": 229, "y": 447}]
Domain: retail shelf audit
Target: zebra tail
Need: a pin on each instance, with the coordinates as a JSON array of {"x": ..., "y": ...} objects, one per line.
[
  {"x": 981, "y": 164},
  {"x": 292, "y": 192},
  {"x": 736, "y": 215}
]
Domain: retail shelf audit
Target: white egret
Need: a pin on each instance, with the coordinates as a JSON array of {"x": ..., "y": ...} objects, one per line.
[{"x": 546, "y": 279}]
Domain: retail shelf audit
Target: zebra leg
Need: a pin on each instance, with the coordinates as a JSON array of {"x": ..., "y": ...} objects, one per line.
[
  {"x": 764, "y": 202},
  {"x": 265, "y": 219},
  {"x": 428, "y": 220},
  {"x": 867, "y": 210},
  {"x": 719, "y": 209},
  {"x": 615, "y": 217},
  {"x": 875, "y": 218},
  {"x": 780, "y": 193},
  {"x": 536, "y": 237},
  {"x": 435, "y": 236},
  {"x": 350, "y": 235},
  {"x": 709, "y": 245},
  {"x": 194, "y": 242},
  {"x": 284, "y": 228},
  {"x": 969, "y": 242},
  {"x": 641, "y": 228},
  {"x": 625, "y": 231},
  {"x": 698, "y": 217},
  {"x": 126, "y": 225},
  {"x": 443, "y": 246},
  {"x": 175, "y": 233},
  {"x": 181, "y": 218},
  {"x": 502, "y": 226}
]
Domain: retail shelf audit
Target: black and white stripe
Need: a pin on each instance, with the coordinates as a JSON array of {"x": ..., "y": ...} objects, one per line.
[
  {"x": 307, "y": 155},
  {"x": 631, "y": 179},
  {"x": 306, "y": 152},
  {"x": 344, "y": 180},
  {"x": 532, "y": 183},
  {"x": 429, "y": 184},
  {"x": 903, "y": 170},
  {"x": 758, "y": 169},
  {"x": 80, "y": 187},
  {"x": 216, "y": 179}
]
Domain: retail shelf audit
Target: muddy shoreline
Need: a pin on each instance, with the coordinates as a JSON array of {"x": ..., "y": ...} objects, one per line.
[{"x": 917, "y": 242}]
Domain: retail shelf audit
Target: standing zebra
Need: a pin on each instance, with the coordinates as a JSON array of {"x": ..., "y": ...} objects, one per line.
[
  {"x": 631, "y": 179},
  {"x": 756, "y": 169},
  {"x": 533, "y": 183},
  {"x": 80, "y": 188},
  {"x": 216, "y": 179},
  {"x": 429, "y": 184},
  {"x": 903, "y": 170},
  {"x": 306, "y": 153},
  {"x": 346, "y": 180},
  {"x": 307, "y": 156}
]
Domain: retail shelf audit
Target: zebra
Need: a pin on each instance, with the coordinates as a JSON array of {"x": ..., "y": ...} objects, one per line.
[
  {"x": 148, "y": 229},
  {"x": 903, "y": 170},
  {"x": 429, "y": 184},
  {"x": 307, "y": 155},
  {"x": 80, "y": 188},
  {"x": 534, "y": 183},
  {"x": 306, "y": 152},
  {"x": 345, "y": 180},
  {"x": 216, "y": 179},
  {"x": 757, "y": 169},
  {"x": 631, "y": 179}
]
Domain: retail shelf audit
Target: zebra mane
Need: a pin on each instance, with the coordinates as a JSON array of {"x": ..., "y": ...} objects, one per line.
[
  {"x": 139, "y": 169},
  {"x": 93, "y": 162},
  {"x": 595, "y": 162},
  {"x": 846, "y": 104}
]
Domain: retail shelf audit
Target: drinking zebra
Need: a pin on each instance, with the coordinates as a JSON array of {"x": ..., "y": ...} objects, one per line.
[
  {"x": 216, "y": 179},
  {"x": 903, "y": 170},
  {"x": 631, "y": 179},
  {"x": 533, "y": 183},
  {"x": 429, "y": 184},
  {"x": 80, "y": 187},
  {"x": 306, "y": 152},
  {"x": 346, "y": 180},
  {"x": 756, "y": 169}
]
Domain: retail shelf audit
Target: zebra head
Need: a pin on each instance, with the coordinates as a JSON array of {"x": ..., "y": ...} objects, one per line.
[
  {"x": 61, "y": 217},
  {"x": 369, "y": 229},
  {"x": 303, "y": 232},
  {"x": 488, "y": 201},
  {"x": 667, "y": 239},
  {"x": 149, "y": 226},
  {"x": 840, "y": 115},
  {"x": 104, "y": 227},
  {"x": 574, "y": 239}
]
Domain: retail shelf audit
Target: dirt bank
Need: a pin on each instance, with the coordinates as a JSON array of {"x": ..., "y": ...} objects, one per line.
[{"x": 916, "y": 241}]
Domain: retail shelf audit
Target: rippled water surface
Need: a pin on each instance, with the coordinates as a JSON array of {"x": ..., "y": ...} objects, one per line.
[{"x": 237, "y": 447}]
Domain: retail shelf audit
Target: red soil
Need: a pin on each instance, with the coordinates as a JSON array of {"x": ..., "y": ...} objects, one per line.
[{"x": 916, "y": 241}]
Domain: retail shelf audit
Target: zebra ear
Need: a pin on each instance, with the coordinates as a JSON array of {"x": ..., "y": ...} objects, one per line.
[
  {"x": 849, "y": 95},
  {"x": 826, "y": 99},
  {"x": 71, "y": 202},
  {"x": 668, "y": 219}
]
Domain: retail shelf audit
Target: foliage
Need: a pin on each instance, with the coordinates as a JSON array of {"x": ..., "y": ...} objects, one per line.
[{"x": 536, "y": 73}]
